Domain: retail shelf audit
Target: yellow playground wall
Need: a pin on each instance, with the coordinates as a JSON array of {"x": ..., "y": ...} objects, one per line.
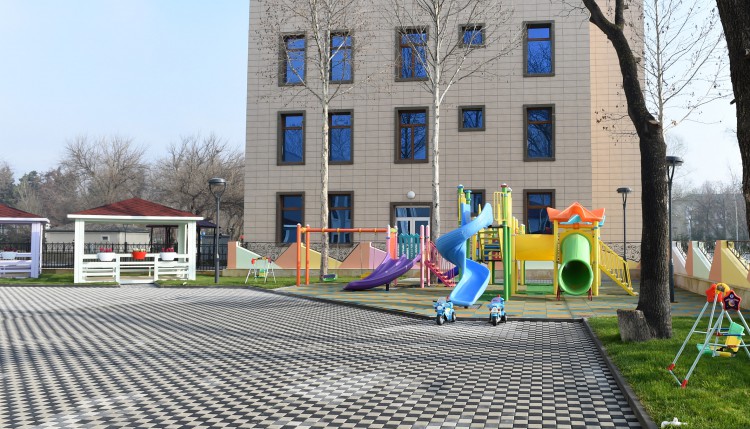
[{"x": 535, "y": 247}]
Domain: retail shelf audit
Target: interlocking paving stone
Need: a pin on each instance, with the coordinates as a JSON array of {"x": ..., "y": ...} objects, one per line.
[{"x": 240, "y": 358}]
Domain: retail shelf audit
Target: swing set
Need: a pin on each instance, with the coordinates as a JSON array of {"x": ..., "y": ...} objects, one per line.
[
  {"x": 391, "y": 244},
  {"x": 728, "y": 300}
]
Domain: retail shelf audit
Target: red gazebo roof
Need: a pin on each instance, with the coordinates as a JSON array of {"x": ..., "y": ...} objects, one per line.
[
  {"x": 135, "y": 207},
  {"x": 8, "y": 211}
]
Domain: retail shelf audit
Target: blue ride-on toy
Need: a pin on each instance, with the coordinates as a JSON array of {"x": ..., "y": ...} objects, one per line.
[
  {"x": 444, "y": 310},
  {"x": 497, "y": 310}
]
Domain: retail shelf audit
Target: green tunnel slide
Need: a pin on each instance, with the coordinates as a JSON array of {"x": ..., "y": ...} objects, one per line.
[{"x": 575, "y": 275}]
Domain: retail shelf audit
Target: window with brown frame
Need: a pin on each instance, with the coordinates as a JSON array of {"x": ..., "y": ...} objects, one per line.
[
  {"x": 411, "y": 135},
  {"x": 340, "y": 215},
  {"x": 411, "y": 54},
  {"x": 290, "y": 210},
  {"x": 535, "y": 203}
]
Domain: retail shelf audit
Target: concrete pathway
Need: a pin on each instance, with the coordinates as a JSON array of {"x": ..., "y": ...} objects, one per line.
[{"x": 175, "y": 358}]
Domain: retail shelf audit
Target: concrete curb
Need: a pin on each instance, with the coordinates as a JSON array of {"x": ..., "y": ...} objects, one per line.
[{"x": 635, "y": 404}]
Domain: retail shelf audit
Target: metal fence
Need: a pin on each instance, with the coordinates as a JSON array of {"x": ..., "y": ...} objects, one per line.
[{"x": 60, "y": 255}]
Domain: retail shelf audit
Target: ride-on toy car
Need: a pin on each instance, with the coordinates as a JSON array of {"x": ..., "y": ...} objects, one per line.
[
  {"x": 445, "y": 312},
  {"x": 497, "y": 310}
]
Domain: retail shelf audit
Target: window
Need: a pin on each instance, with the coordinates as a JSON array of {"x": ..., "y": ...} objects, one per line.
[
  {"x": 341, "y": 58},
  {"x": 539, "y": 133},
  {"x": 412, "y": 54},
  {"x": 291, "y": 210},
  {"x": 340, "y": 216},
  {"x": 411, "y": 138},
  {"x": 477, "y": 201},
  {"x": 471, "y": 118},
  {"x": 291, "y": 138},
  {"x": 293, "y": 59},
  {"x": 408, "y": 218},
  {"x": 535, "y": 203},
  {"x": 105, "y": 238},
  {"x": 340, "y": 137},
  {"x": 472, "y": 35},
  {"x": 538, "y": 49}
]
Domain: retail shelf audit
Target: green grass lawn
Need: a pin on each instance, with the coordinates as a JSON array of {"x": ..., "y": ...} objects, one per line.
[
  {"x": 717, "y": 395},
  {"x": 201, "y": 280},
  {"x": 47, "y": 280}
]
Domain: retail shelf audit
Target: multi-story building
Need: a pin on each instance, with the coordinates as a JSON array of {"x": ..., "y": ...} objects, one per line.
[{"x": 549, "y": 119}]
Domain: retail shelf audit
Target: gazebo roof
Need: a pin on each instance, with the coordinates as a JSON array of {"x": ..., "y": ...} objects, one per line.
[
  {"x": 135, "y": 209},
  {"x": 13, "y": 215}
]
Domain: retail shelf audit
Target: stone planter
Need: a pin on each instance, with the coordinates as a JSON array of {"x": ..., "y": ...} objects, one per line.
[
  {"x": 8, "y": 255},
  {"x": 138, "y": 255},
  {"x": 167, "y": 256},
  {"x": 105, "y": 256}
]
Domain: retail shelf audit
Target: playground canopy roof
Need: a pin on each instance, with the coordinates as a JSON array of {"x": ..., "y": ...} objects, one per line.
[
  {"x": 12, "y": 215},
  {"x": 136, "y": 210},
  {"x": 575, "y": 209}
]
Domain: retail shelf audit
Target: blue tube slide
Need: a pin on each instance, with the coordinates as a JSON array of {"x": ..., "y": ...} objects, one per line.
[{"x": 452, "y": 246}]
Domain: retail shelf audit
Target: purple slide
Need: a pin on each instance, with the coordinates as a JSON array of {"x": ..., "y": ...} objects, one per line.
[{"x": 388, "y": 271}]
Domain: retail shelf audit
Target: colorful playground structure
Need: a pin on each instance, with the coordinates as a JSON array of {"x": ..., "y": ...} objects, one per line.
[
  {"x": 574, "y": 248},
  {"x": 729, "y": 301}
]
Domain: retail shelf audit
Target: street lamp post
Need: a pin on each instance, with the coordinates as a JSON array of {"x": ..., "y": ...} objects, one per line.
[
  {"x": 624, "y": 193},
  {"x": 217, "y": 185},
  {"x": 672, "y": 163}
]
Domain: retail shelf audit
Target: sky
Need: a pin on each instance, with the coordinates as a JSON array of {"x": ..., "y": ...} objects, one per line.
[
  {"x": 156, "y": 70},
  {"x": 150, "y": 70}
]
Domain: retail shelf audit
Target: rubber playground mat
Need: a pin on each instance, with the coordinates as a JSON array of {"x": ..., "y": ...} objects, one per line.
[{"x": 410, "y": 298}]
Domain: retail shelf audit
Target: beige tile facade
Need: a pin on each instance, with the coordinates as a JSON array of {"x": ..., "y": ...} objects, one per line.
[{"x": 589, "y": 162}]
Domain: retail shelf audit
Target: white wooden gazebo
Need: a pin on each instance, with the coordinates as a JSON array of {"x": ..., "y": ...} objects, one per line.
[
  {"x": 92, "y": 268},
  {"x": 23, "y": 263}
]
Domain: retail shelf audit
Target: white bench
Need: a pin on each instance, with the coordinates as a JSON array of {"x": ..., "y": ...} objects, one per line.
[{"x": 15, "y": 267}]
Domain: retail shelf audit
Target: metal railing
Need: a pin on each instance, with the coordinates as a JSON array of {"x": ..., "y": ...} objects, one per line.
[
  {"x": 441, "y": 267},
  {"x": 707, "y": 248},
  {"x": 615, "y": 268},
  {"x": 61, "y": 255}
]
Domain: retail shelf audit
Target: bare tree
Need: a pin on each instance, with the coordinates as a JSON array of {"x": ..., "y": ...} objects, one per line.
[
  {"x": 653, "y": 300},
  {"x": 328, "y": 28},
  {"x": 735, "y": 18},
  {"x": 183, "y": 176},
  {"x": 58, "y": 191},
  {"x": 439, "y": 41},
  {"x": 107, "y": 169},
  {"x": 684, "y": 58}
]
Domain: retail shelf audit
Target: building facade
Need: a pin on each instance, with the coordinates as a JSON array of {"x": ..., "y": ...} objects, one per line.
[{"x": 549, "y": 119}]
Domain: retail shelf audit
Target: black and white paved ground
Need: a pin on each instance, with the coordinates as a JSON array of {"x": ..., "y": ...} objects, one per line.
[{"x": 136, "y": 357}]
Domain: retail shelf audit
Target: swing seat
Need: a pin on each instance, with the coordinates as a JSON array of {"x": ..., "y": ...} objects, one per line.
[
  {"x": 716, "y": 350},
  {"x": 329, "y": 277}
]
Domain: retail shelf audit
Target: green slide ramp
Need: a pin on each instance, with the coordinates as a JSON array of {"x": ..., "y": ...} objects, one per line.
[{"x": 575, "y": 276}]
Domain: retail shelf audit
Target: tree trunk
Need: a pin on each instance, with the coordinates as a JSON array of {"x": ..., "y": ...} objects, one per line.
[
  {"x": 653, "y": 300},
  {"x": 735, "y": 18},
  {"x": 435, "y": 228},
  {"x": 324, "y": 193}
]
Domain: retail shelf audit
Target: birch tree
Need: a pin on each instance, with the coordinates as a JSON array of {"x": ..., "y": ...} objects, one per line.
[
  {"x": 321, "y": 34},
  {"x": 441, "y": 43}
]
